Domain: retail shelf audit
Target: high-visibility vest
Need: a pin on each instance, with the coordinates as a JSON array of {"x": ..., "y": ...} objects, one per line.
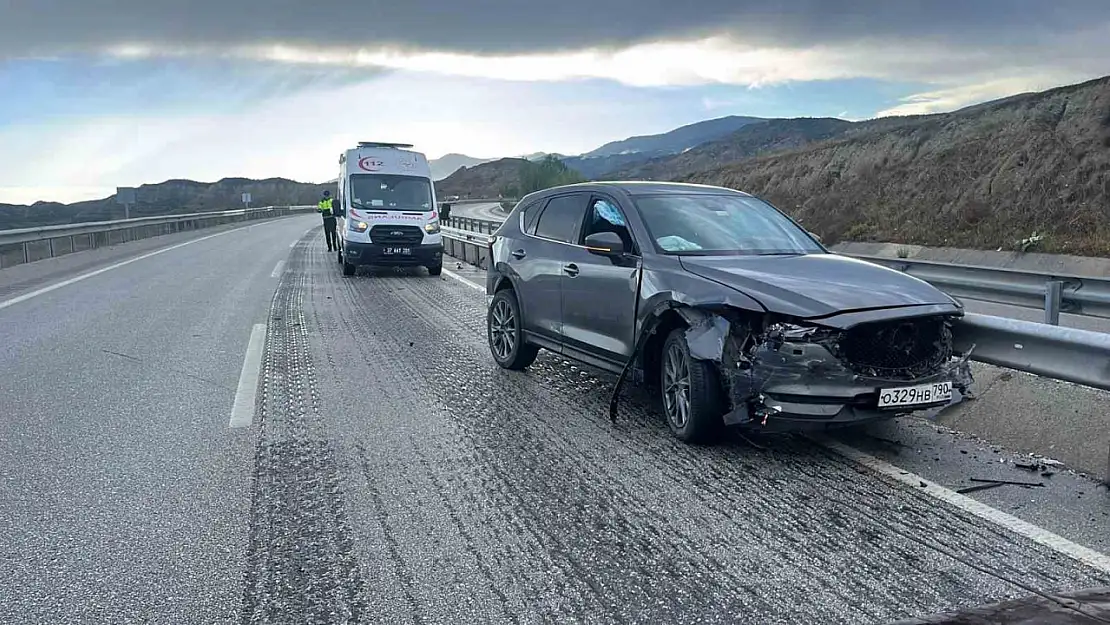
[{"x": 324, "y": 207}]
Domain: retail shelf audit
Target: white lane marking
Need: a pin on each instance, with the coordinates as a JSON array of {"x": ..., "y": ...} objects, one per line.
[
  {"x": 455, "y": 276},
  {"x": 242, "y": 411},
  {"x": 1037, "y": 534},
  {"x": 277, "y": 269},
  {"x": 85, "y": 276}
]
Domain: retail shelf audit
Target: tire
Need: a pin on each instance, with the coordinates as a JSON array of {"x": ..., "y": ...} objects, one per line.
[
  {"x": 435, "y": 270},
  {"x": 703, "y": 394},
  {"x": 348, "y": 269},
  {"x": 504, "y": 334}
]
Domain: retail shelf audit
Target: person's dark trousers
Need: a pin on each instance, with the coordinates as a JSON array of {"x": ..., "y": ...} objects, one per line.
[{"x": 330, "y": 235}]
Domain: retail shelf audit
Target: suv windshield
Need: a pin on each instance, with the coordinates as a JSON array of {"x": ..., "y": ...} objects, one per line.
[
  {"x": 391, "y": 192},
  {"x": 700, "y": 224}
]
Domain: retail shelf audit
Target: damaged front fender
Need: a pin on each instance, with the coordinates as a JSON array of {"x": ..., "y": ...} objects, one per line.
[{"x": 779, "y": 375}]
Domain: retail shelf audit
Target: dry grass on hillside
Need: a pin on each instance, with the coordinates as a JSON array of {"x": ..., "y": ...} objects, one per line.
[{"x": 983, "y": 177}]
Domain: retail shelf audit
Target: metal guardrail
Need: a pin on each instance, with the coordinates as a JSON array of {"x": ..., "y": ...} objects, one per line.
[
  {"x": 492, "y": 200},
  {"x": 1088, "y": 296},
  {"x": 1079, "y": 295},
  {"x": 27, "y": 245},
  {"x": 466, "y": 245},
  {"x": 1067, "y": 354}
]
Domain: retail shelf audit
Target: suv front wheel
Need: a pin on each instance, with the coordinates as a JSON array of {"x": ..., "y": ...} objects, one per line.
[
  {"x": 505, "y": 333},
  {"x": 692, "y": 400}
]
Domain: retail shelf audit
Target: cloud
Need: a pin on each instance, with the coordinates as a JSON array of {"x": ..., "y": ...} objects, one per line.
[
  {"x": 942, "y": 100},
  {"x": 512, "y": 26},
  {"x": 635, "y": 42}
]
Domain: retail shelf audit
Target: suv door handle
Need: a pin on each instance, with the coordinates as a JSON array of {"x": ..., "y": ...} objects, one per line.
[
  {"x": 518, "y": 254},
  {"x": 571, "y": 269}
]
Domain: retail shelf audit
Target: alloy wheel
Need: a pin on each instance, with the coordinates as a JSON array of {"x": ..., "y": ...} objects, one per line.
[
  {"x": 503, "y": 330},
  {"x": 676, "y": 386}
]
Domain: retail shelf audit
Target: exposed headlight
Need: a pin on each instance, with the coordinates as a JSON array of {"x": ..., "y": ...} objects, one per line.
[
  {"x": 791, "y": 331},
  {"x": 359, "y": 226},
  {"x": 431, "y": 228}
]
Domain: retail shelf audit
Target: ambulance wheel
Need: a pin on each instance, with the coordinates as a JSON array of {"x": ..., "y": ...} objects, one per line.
[
  {"x": 348, "y": 269},
  {"x": 435, "y": 270}
]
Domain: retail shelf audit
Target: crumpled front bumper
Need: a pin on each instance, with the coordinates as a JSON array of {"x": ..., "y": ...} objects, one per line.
[{"x": 792, "y": 385}]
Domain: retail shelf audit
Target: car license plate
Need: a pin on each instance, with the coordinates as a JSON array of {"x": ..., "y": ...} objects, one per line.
[
  {"x": 915, "y": 395},
  {"x": 399, "y": 250}
]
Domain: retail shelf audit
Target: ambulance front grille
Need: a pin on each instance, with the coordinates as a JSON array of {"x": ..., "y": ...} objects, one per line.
[{"x": 396, "y": 235}]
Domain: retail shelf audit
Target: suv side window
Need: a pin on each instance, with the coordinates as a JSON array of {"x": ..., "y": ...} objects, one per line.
[
  {"x": 531, "y": 216},
  {"x": 561, "y": 217},
  {"x": 605, "y": 216}
]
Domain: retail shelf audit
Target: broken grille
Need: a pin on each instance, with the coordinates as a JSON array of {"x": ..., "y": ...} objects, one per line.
[{"x": 901, "y": 349}]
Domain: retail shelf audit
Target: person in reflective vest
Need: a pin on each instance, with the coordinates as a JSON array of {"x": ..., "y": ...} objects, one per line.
[{"x": 324, "y": 208}]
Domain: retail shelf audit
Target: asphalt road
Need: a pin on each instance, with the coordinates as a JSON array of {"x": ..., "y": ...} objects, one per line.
[
  {"x": 124, "y": 496},
  {"x": 490, "y": 212},
  {"x": 393, "y": 474}
]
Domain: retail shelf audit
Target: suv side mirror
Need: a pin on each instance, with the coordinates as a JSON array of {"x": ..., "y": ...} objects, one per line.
[
  {"x": 816, "y": 236},
  {"x": 605, "y": 244}
]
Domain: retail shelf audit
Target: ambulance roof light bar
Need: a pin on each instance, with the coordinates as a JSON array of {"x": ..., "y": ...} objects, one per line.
[{"x": 382, "y": 144}]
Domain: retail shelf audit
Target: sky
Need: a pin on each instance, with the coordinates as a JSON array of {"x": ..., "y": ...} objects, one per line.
[{"x": 96, "y": 94}]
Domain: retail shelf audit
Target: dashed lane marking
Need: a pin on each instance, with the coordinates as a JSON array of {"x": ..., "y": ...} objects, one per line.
[{"x": 242, "y": 411}]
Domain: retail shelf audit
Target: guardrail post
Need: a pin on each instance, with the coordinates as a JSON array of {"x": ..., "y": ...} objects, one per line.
[{"x": 1053, "y": 290}]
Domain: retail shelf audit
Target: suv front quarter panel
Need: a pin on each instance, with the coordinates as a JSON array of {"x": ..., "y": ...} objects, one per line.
[{"x": 666, "y": 284}]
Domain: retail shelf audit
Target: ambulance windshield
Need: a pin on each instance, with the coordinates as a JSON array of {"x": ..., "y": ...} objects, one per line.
[{"x": 390, "y": 192}]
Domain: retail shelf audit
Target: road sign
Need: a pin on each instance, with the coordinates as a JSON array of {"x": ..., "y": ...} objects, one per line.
[
  {"x": 246, "y": 198},
  {"x": 125, "y": 195}
]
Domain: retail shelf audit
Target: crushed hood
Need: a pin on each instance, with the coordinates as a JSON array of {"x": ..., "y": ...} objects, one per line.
[{"x": 815, "y": 285}]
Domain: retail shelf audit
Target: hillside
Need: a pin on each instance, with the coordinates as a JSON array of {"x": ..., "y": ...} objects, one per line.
[
  {"x": 626, "y": 152},
  {"x": 481, "y": 181},
  {"x": 751, "y": 140},
  {"x": 167, "y": 198},
  {"x": 450, "y": 163},
  {"x": 982, "y": 177}
]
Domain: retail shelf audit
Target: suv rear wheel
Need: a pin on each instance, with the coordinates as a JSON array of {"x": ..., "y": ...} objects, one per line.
[
  {"x": 692, "y": 400},
  {"x": 505, "y": 334}
]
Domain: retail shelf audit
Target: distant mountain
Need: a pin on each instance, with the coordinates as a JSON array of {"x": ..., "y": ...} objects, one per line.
[
  {"x": 616, "y": 155},
  {"x": 751, "y": 140},
  {"x": 173, "y": 197},
  {"x": 677, "y": 140},
  {"x": 449, "y": 163}
]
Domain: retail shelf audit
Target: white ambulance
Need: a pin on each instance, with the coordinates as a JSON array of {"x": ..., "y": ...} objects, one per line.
[{"x": 386, "y": 209}]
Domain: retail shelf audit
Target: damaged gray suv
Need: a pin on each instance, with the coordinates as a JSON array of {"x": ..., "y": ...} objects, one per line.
[{"x": 733, "y": 312}]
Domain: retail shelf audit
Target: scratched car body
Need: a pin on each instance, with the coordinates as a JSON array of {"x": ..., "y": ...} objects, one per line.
[{"x": 730, "y": 310}]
